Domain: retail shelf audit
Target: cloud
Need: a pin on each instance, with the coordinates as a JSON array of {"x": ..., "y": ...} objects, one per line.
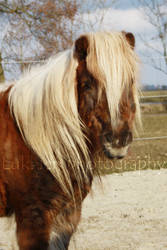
[{"x": 131, "y": 20}]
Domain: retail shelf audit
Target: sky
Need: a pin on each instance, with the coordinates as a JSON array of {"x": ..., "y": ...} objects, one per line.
[
  {"x": 124, "y": 4},
  {"x": 127, "y": 15}
]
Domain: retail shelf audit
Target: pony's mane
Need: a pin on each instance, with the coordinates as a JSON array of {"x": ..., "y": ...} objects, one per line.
[{"x": 44, "y": 105}]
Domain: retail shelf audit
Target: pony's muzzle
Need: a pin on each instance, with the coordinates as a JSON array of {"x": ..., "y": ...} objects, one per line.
[{"x": 116, "y": 146}]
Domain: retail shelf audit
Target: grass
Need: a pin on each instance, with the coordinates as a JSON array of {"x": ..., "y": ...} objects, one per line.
[
  {"x": 154, "y": 125},
  {"x": 143, "y": 154},
  {"x": 154, "y": 92}
]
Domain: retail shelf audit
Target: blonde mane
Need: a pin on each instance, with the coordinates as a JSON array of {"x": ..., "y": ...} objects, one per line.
[
  {"x": 43, "y": 102},
  {"x": 115, "y": 64}
]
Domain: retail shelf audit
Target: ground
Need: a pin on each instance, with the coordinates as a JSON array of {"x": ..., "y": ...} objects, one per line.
[
  {"x": 130, "y": 213},
  {"x": 127, "y": 212}
]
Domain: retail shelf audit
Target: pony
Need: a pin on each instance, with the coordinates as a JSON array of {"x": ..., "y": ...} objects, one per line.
[{"x": 53, "y": 121}]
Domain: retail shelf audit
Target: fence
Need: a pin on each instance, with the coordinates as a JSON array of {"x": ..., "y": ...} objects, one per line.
[{"x": 151, "y": 138}]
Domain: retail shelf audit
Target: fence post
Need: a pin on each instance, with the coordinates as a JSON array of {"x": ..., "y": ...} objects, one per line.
[{"x": 2, "y": 77}]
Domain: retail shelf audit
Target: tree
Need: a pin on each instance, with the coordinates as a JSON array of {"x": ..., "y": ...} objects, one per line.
[
  {"x": 35, "y": 29},
  {"x": 155, "y": 11},
  {"x": 42, "y": 26},
  {"x": 43, "y": 23}
]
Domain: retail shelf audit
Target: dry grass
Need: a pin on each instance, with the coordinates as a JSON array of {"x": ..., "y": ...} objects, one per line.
[
  {"x": 153, "y": 108},
  {"x": 154, "y": 92}
]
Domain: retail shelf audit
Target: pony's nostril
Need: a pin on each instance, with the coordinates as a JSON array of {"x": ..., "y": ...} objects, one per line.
[
  {"x": 108, "y": 137},
  {"x": 127, "y": 139},
  {"x": 120, "y": 157}
]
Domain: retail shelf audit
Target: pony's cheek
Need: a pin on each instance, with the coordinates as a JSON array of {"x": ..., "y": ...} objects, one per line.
[
  {"x": 90, "y": 104},
  {"x": 95, "y": 126}
]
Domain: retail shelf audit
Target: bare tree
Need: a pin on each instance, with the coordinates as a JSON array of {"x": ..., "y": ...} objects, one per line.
[
  {"x": 98, "y": 9},
  {"x": 155, "y": 12},
  {"x": 35, "y": 29},
  {"x": 39, "y": 28},
  {"x": 44, "y": 21}
]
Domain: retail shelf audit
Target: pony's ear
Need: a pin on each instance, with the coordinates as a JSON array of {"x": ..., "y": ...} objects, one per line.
[
  {"x": 81, "y": 48},
  {"x": 130, "y": 38}
]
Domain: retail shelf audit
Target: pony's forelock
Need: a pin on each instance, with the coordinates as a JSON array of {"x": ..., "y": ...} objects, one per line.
[{"x": 114, "y": 63}]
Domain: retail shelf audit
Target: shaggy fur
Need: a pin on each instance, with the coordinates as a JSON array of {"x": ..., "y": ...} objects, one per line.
[{"x": 43, "y": 102}]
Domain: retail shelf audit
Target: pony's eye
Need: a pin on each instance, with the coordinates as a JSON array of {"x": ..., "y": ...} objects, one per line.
[{"x": 86, "y": 85}]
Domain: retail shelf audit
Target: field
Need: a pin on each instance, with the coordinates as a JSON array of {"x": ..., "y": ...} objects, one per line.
[
  {"x": 144, "y": 154},
  {"x": 154, "y": 92}
]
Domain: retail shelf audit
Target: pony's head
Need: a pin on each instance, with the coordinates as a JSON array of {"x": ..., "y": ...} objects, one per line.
[
  {"x": 107, "y": 92},
  {"x": 88, "y": 90}
]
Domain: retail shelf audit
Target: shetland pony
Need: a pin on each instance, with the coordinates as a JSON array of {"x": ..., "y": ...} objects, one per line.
[{"x": 52, "y": 123}]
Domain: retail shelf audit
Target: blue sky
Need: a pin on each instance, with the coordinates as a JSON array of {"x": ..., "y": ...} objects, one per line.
[
  {"x": 124, "y": 4},
  {"x": 121, "y": 4}
]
